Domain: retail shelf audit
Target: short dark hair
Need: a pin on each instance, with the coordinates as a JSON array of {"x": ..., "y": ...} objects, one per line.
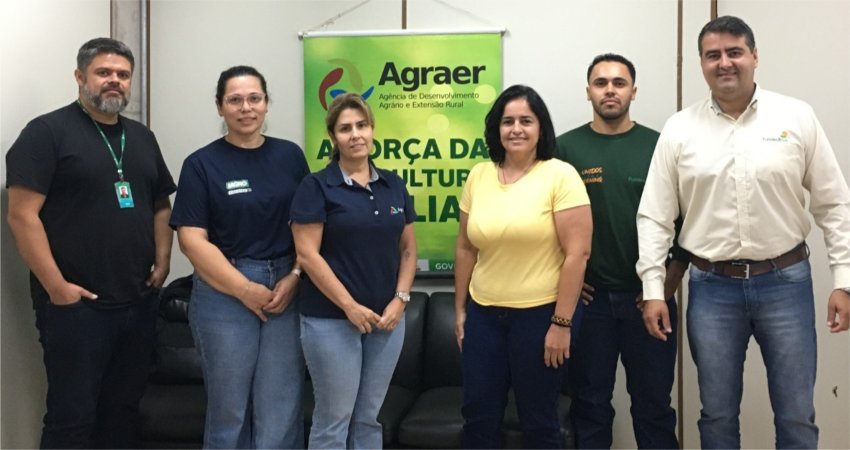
[
  {"x": 99, "y": 46},
  {"x": 348, "y": 100},
  {"x": 615, "y": 58},
  {"x": 730, "y": 25},
  {"x": 238, "y": 71},
  {"x": 493, "y": 120}
]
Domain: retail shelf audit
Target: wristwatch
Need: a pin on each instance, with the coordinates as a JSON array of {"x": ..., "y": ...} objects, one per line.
[{"x": 403, "y": 295}]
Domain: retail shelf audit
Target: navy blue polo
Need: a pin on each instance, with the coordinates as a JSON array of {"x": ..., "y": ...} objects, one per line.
[{"x": 360, "y": 240}]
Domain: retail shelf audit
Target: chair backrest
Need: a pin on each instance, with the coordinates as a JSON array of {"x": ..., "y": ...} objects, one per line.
[
  {"x": 442, "y": 356},
  {"x": 174, "y": 300},
  {"x": 408, "y": 370},
  {"x": 176, "y": 360}
]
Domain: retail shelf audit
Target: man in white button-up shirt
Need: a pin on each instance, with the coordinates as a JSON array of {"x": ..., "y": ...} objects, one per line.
[{"x": 736, "y": 167}]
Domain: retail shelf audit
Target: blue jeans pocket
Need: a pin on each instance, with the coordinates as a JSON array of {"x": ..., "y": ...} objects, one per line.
[
  {"x": 696, "y": 274},
  {"x": 200, "y": 288},
  {"x": 800, "y": 272}
]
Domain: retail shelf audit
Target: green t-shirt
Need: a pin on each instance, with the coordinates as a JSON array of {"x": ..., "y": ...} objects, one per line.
[{"x": 613, "y": 168}]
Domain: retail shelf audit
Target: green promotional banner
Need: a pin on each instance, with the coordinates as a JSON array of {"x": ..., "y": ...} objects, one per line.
[{"x": 429, "y": 94}]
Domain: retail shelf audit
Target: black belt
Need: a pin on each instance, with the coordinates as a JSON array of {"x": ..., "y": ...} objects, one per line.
[{"x": 745, "y": 269}]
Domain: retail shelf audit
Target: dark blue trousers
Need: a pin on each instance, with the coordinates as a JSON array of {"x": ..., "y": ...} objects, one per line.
[
  {"x": 97, "y": 364},
  {"x": 503, "y": 349},
  {"x": 612, "y": 328}
]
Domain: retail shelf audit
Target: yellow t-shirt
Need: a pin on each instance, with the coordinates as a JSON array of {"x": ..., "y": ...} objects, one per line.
[{"x": 513, "y": 228}]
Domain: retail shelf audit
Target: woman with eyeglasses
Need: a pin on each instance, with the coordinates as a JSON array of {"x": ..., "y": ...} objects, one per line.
[{"x": 231, "y": 215}]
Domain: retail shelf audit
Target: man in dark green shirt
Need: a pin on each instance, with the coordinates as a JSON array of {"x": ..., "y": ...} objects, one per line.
[{"x": 612, "y": 154}]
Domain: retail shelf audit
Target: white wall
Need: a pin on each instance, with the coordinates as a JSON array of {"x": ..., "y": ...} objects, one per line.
[
  {"x": 39, "y": 40},
  {"x": 548, "y": 45}
]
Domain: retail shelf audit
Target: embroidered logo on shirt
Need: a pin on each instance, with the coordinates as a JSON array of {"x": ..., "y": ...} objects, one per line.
[
  {"x": 237, "y": 187},
  {"x": 783, "y": 137},
  {"x": 592, "y": 175},
  {"x": 394, "y": 210}
]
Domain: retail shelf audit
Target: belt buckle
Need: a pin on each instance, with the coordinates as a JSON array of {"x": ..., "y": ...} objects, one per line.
[{"x": 746, "y": 270}]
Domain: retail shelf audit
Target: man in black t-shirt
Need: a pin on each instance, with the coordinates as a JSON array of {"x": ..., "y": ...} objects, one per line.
[{"x": 89, "y": 209}]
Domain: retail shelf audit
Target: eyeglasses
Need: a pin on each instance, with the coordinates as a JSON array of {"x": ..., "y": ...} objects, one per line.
[{"x": 236, "y": 101}]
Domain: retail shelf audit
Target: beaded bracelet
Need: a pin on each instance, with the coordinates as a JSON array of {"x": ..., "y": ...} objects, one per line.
[{"x": 561, "y": 321}]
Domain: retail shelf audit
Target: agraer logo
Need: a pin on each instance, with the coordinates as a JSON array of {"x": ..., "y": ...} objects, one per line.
[{"x": 335, "y": 75}]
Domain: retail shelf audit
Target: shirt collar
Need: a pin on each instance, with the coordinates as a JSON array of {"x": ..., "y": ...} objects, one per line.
[
  {"x": 338, "y": 176},
  {"x": 753, "y": 102}
]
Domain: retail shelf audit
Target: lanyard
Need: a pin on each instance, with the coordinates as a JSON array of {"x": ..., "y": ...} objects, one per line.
[{"x": 118, "y": 161}]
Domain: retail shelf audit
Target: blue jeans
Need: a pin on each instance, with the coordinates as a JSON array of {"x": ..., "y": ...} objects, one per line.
[
  {"x": 612, "y": 328},
  {"x": 777, "y": 308},
  {"x": 97, "y": 364},
  {"x": 253, "y": 370},
  {"x": 503, "y": 348},
  {"x": 351, "y": 373}
]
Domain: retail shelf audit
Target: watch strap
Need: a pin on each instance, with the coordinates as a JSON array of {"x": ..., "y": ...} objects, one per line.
[{"x": 403, "y": 295}]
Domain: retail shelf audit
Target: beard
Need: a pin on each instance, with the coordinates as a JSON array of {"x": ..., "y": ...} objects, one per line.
[
  {"x": 107, "y": 105},
  {"x": 607, "y": 114}
]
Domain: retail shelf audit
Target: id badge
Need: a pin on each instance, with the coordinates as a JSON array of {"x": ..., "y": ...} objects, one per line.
[{"x": 124, "y": 194}]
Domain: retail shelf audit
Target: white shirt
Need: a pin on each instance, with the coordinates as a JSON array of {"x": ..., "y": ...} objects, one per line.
[{"x": 739, "y": 185}]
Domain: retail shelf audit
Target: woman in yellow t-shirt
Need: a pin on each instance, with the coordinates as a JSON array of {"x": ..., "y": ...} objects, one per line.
[{"x": 524, "y": 240}]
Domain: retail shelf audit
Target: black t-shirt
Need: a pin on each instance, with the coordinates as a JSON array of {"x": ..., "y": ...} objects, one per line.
[
  {"x": 98, "y": 245},
  {"x": 242, "y": 197}
]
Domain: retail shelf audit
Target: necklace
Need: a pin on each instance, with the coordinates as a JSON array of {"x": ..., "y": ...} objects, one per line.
[{"x": 503, "y": 176}]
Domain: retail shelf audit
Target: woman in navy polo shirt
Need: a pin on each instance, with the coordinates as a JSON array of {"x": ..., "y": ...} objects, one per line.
[
  {"x": 231, "y": 214},
  {"x": 353, "y": 229}
]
